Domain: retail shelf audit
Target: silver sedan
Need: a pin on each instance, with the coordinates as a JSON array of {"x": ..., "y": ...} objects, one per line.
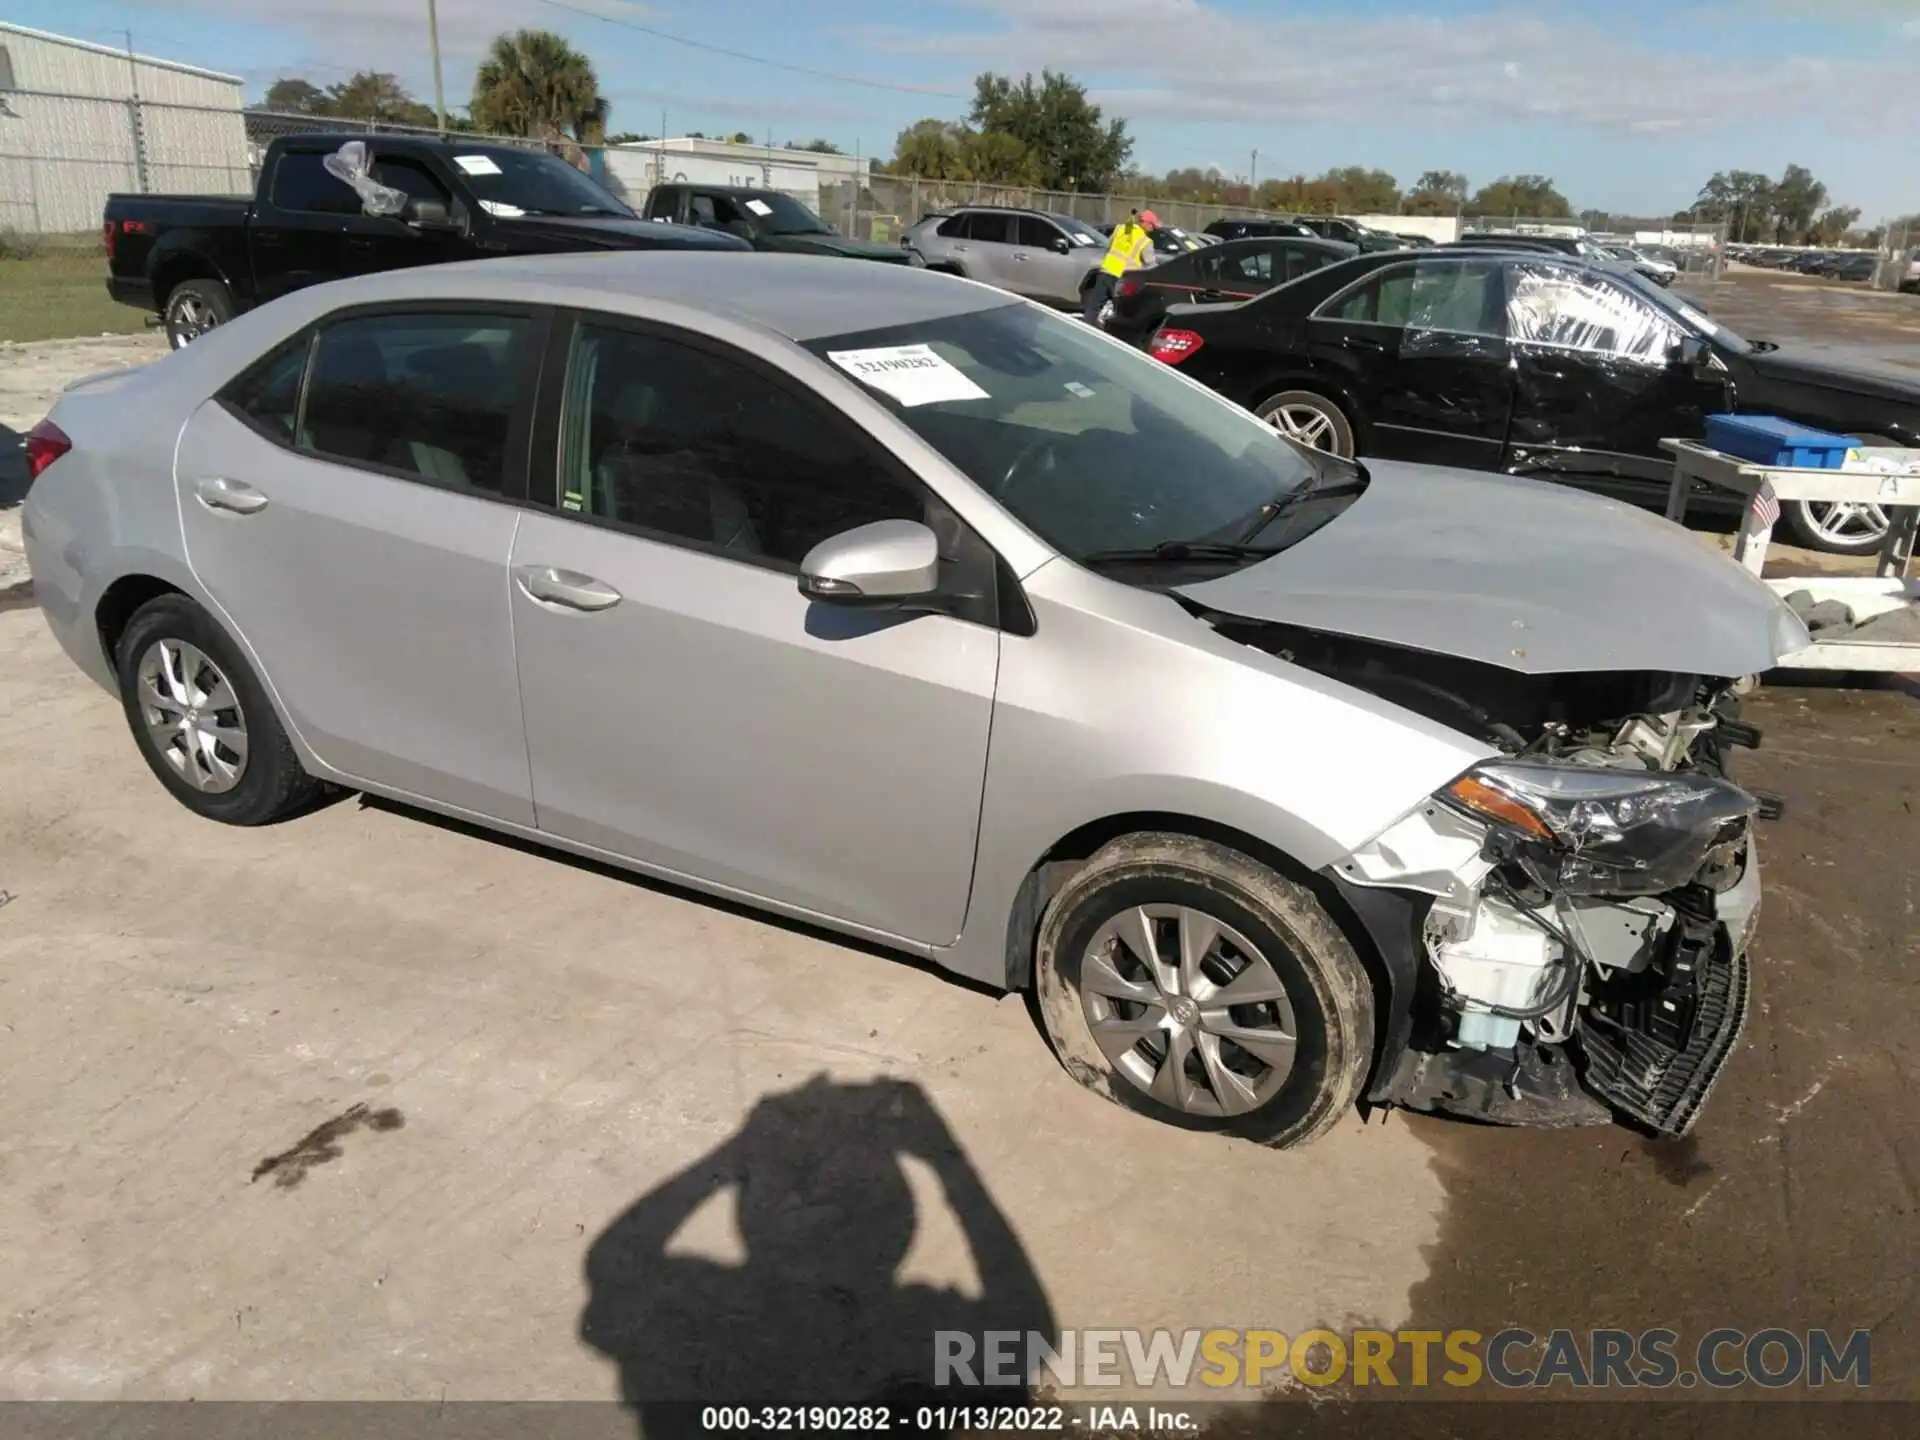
[{"x": 882, "y": 600}]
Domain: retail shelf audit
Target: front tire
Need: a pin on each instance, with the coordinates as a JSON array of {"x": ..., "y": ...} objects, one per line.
[
  {"x": 202, "y": 719},
  {"x": 195, "y": 307},
  {"x": 1838, "y": 528},
  {"x": 1188, "y": 982},
  {"x": 1311, "y": 419}
]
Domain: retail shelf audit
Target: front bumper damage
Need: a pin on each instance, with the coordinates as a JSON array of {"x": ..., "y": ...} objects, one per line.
[{"x": 1644, "y": 1033}]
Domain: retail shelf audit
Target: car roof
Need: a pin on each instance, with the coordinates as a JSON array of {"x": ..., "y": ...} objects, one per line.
[{"x": 798, "y": 296}]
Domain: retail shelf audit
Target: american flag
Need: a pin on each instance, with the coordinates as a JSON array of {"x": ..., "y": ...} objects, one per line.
[{"x": 1763, "y": 513}]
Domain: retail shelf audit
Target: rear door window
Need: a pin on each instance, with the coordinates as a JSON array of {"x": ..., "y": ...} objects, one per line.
[
  {"x": 992, "y": 226},
  {"x": 1457, "y": 297},
  {"x": 301, "y": 182},
  {"x": 437, "y": 396}
]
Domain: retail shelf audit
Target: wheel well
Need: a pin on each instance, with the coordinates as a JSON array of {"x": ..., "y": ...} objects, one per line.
[
  {"x": 117, "y": 606},
  {"x": 946, "y": 267},
  {"x": 175, "y": 270}
]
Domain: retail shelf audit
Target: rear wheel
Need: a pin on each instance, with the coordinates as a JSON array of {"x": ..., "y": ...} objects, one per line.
[
  {"x": 195, "y": 307},
  {"x": 1839, "y": 527},
  {"x": 202, "y": 720},
  {"x": 1309, "y": 418},
  {"x": 1189, "y": 982}
]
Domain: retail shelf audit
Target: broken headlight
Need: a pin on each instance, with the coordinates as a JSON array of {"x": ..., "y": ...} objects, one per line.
[{"x": 1591, "y": 830}]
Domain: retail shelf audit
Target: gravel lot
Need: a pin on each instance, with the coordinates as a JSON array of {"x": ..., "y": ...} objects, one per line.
[{"x": 193, "y": 1205}]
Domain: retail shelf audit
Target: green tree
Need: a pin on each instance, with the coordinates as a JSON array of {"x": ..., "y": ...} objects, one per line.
[
  {"x": 1741, "y": 199},
  {"x": 818, "y": 147},
  {"x": 740, "y": 137},
  {"x": 1436, "y": 192},
  {"x": 1832, "y": 225},
  {"x": 1520, "y": 196},
  {"x": 375, "y": 95},
  {"x": 1074, "y": 147},
  {"x": 534, "y": 83},
  {"x": 1596, "y": 219},
  {"x": 293, "y": 96},
  {"x": 999, "y": 159},
  {"x": 627, "y": 137},
  {"x": 1796, "y": 199},
  {"x": 1355, "y": 189},
  {"x": 930, "y": 148}
]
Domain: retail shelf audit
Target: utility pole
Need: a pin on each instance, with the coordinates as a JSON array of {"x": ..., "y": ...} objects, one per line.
[
  {"x": 1253, "y": 172},
  {"x": 433, "y": 39},
  {"x": 134, "y": 118}
]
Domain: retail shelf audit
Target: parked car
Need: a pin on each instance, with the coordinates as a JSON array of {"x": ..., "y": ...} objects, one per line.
[
  {"x": 1661, "y": 272},
  {"x": 198, "y": 260},
  {"x": 864, "y": 518},
  {"x": 765, "y": 219},
  {"x": 1230, "y": 270},
  {"x": 1362, "y": 237},
  {"x": 1576, "y": 245},
  {"x": 1259, "y": 227},
  {"x": 1541, "y": 365},
  {"x": 1856, "y": 266},
  {"x": 1039, "y": 254}
]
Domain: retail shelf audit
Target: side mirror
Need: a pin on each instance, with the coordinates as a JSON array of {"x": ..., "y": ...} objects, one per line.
[
  {"x": 1689, "y": 353},
  {"x": 1062, "y": 245},
  {"x": 874, "y": 565},
  {"x": 427, "y": 215}
]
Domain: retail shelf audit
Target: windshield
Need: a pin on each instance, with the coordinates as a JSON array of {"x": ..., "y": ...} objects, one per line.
[
  {"x": 1078, "y": 231},
  {"x": 1089, "y": 443},
  {"x": 1672, "y": 304},
  {"x": 509, "y": 182},
  {"x": 777, "y": 214}
]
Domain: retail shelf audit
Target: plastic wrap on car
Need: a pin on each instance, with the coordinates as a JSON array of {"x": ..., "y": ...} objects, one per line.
[
  {"x": 1586, "y": 312},
  {"x": 351, "y": 164}
]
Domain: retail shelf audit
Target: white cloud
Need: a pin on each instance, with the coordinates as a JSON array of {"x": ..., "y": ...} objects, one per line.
[{"x": 1184, "y": 59}]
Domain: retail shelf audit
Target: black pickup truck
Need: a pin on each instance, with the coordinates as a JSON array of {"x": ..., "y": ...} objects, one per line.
[
  {"x": 198, "y": 260},
  {"x": 765, "y": 219}
]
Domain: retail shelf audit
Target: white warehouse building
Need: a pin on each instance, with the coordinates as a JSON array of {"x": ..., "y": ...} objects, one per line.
[{"x": 79, "y": 120}]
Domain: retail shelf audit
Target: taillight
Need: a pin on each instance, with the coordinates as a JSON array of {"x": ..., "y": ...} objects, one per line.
[
  {"x": 1173, "y": 346},
  {"x": 107, "y": 231},
  {"x": 46, "y": 443},
  {"x": 1128, "y": 286}
]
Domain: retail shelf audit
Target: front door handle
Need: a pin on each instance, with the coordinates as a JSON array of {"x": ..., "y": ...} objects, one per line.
[
  {"x": 218, "y": 493},
  {"x": 566, "y": 587},
  {"x": 1364, "y": 342}
]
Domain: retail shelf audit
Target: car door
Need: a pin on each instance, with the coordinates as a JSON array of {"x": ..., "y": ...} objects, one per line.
[
  {"x": 988, "y": 248},
  {"x": 686, "y": 707},
  {"x": 1042, "y": 261},
  {"x": 300, "y": 231},
  {"x": 1597, "y": 380},
  {"x": 349, "y": 504},
  {"x": 1420, "y": 348}
]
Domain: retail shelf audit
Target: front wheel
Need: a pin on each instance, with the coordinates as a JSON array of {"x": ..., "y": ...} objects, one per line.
[
  {"x": 1310, "y": 419},
  {"x": 1839, "y": 527},
  {"x": 195, "y": 307},
  {"x": 1191, "y": 983}
]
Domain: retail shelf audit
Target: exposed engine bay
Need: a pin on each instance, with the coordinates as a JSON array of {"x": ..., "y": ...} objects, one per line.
[{"x": 1580, "y": 904}]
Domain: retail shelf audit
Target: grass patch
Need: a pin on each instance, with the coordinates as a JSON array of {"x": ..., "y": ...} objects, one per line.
[{"x": 60, "y": 293}]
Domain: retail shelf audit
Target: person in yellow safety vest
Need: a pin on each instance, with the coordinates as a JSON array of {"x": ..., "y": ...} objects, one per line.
[{"x": 1129, "y": 249}]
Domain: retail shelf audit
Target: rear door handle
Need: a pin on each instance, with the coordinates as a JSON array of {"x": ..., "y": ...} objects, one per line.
[
  {"x": 218, "y": 493},
  {"x": 1364, "y": 342},
  {"x": 566, "y": 587}
]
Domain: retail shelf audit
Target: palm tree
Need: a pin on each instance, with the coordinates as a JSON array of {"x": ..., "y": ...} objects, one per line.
[{"x": 534, "y": 83}]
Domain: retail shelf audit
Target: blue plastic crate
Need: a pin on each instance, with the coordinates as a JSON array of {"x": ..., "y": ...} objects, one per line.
[{"x": 1769, "y": 440}]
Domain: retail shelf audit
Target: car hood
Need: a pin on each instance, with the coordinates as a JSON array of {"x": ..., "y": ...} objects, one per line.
[
  {"x": 617, "y": 232},
  {"x": 1857, "y": 377},
  {"x": 834, "y": 245},
  {"x": 1515, "y": 573}
]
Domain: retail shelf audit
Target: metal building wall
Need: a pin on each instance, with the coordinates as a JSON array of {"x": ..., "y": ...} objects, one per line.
[{"x": 72, "y": 132}]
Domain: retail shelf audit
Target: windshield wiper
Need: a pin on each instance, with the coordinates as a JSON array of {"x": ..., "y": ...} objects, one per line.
[{"x": 1175, "y": 551}]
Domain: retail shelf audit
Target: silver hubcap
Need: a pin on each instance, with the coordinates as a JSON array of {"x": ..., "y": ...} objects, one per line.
[
  {"x": 192, "y": 716},
  {"x": 1188, "y": 1010},
  {"x": 1308, "y": 424},
  {"x": 1847, "y": 521},
  {"x": 192, "y": 317}
]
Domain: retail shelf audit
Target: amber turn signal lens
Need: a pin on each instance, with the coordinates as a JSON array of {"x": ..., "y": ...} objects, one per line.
[{"x": 1483, "y": 799}]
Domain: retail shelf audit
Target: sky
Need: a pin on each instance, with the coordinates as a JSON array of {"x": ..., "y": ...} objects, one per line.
[{"x": 1628, "y": 104}]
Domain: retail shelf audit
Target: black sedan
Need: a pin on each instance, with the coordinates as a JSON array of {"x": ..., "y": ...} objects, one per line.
[
  {"x": 1232, "y": 270},
  {"x": 1533, "y": 364}
]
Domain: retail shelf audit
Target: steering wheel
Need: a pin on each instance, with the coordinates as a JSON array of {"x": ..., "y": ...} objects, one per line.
[{"x": 1043, "y": 446}]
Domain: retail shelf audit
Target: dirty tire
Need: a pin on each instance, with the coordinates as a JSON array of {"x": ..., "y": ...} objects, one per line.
[
  {"x": 272, "y": 785},
  {"x": 1327, "y": 987},
  {"x": 195, "y": 307},
  {"x": 1337, "y": 436}
]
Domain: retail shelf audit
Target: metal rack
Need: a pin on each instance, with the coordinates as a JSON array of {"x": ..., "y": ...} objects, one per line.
[{"x": 1888, "y": 589}]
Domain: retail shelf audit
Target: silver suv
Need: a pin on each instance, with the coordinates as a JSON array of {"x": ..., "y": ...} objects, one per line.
[{"x": 1034, "y": 253}]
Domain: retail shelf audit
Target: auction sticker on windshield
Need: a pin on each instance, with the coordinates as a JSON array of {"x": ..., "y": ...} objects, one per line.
[
  {"x": 760, "y": 208},
  {"x": 476, "y": 164},
  {"x": 911, "y": 374}
]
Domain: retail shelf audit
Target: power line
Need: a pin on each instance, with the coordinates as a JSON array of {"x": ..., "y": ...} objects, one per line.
[{"x": 756, "y": 59}]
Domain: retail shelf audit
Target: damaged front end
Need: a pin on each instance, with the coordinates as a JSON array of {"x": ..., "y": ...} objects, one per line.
[{"x": 1568, "y": 920}]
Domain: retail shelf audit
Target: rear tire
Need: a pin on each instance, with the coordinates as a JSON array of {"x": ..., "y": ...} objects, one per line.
[
  {"x": 1838, "y": 529},
  {"x": 1155, "y": 1036},
  {"x": 202, "y": 719},
  {"x": 195, "y": 307},
  {"x": 1311, "y": 419}
]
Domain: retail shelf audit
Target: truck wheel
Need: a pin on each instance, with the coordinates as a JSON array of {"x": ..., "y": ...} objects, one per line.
[
  {"x": 1191, "y": 983},
  {"x": 195, "y": 307}
]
